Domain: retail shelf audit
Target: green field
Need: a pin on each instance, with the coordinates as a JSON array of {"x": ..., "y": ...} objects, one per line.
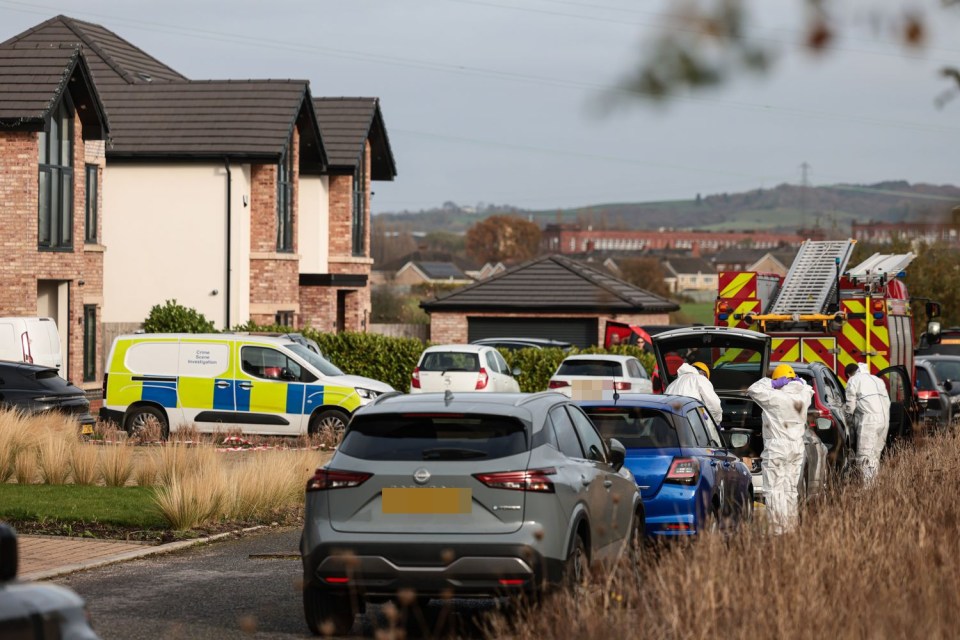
[
  {"x": 698, "y": 312},
  {"x": 124, "y": 507}
]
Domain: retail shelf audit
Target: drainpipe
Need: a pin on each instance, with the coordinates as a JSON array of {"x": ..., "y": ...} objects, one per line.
[{"x": 226, "y": 165}]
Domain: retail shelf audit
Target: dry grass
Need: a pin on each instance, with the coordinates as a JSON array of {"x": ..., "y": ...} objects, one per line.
[
  {"x": 53, "y": 456},
  {"x": 15, "y": 435},
  {"x": 268, "y": 481},
  {"x": 116, "y": 464},
  {"x": 194, "y": 499},
  {"x": 83, "y": 462},
  {"x": 25, "y": 466},
  {"x": 145, "y": 471},
  {"x": 876, "y": 562}
]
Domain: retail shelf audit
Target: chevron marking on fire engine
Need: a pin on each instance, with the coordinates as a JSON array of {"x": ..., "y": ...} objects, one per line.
[
  {"x": 786, "y": 350},
  {"x": 818, "y": 350},
  {"x": 734, "y": 288},
  {"x": 745, "y": 307}
]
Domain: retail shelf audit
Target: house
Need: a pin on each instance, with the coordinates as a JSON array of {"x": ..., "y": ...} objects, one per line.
[
  {"x": 549, "y": 297},
  {"x": 914, "y": 232},
  {"x": 418, "y": 273},
  {"x": 690, "y": 276},
  {"x": 52, "y": 131},
  {"x": 415, "y": 272},
  {"x": 221, "y": 194}
]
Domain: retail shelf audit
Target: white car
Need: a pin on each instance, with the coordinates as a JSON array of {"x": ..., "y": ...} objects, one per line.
[
  {"x": 590, "y": 375},
  {"x": 463, "y": 367}
]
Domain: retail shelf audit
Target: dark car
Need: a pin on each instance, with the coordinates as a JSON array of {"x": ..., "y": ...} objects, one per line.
[
  {"x": 688, "y": 480},
  {"x": 37, "y": 610},
  {"x": 828, "y": 403},
  {"x": 938, "y": 389},
  {"x": 34, "y": 388},
  {"x": 467, "y": 495},
  {"x": 523, "y": 343},
  {"x": 737, "y": 358}
]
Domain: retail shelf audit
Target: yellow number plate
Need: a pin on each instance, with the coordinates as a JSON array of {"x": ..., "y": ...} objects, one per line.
[
  {"x": 86, "y": 430},
  {"x": 403, "y": 500}
]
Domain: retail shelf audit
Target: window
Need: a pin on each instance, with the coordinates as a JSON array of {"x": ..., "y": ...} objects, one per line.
[
  {"x": 285, "y": 200},
  {"x": 504, "y": 367},
  {"x": 699, "y": 430},
  {"x": 283, "y": 318},
  {"x": 55, "y": 192},
  {"x": 635, "y": 427},
  {"x": 592, "y": 441},
  {"x": 636, "y": 370},
  {"x": 450, "y": 361},
  {"x": 712, "y": 435},
  {"x": 269, "y": 364},
  {"x": 359, "y": 226},
  {"x": 492, "y": 362},
  {"x": 89, "y": 342},
  {"x": 567, "y": 440},
  {"x": 90, "y": 217}
]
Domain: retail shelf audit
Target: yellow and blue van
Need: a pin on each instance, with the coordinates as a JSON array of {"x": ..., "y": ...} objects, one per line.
[{"x": 217, "y": 382}]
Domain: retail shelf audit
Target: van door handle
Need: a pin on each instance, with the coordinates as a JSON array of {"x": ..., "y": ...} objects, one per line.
[
  {"x": 608, "y": 483},
  {"x": 585, "y": 481},
  {"x": 245, "y": 385},
  {"x": 223, "y": 384}
]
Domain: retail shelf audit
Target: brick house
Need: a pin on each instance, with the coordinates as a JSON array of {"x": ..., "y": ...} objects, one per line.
[
  {"x": 52, "y": 127},
  {"x": 549, "y": 297},
  {"x": 219, "y": 194}
]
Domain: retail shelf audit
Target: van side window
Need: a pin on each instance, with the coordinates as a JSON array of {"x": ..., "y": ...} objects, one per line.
[{"x": 269, "y": 364}]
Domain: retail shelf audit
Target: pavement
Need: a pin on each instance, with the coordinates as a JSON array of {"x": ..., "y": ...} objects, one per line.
[{"x": 46, "y": 557}]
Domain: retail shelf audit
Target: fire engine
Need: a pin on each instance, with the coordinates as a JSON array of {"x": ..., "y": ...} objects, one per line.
[{"x": 821, "y": 311}]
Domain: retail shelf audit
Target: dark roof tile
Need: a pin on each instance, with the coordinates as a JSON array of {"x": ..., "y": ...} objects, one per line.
[{"x": 346, "y": 123}]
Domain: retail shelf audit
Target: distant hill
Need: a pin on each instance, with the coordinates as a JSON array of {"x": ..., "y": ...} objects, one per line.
[{"x": 786, "y": 207}]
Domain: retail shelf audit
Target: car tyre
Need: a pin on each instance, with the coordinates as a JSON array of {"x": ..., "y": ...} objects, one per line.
[
  {"x": 332, "y": 419},
  {"x": 576, "y": 569},
  {"x": 327, "y": 614},
  {"x": 139, "y": 417}
]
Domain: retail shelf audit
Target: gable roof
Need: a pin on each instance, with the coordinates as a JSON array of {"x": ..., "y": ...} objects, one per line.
[
  {"x": 425, "y": 255},
  {"x": 34, "y": 80},
  {"x": 440, "y": 270},
  {"x": 552, "y": 283},
  {"x": 246, "y": 119},
  {"x": 346, "y": 124},
  {"x": 689, "y": 265}
]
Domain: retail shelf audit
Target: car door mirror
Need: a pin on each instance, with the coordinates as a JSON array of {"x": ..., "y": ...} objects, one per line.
[
  {"x": 516, "y": 372},
  {"x": 947, "y": 386},
  {"x": 824, "y": 424},
  {"x": 286, "y": 374},
  {"x": 8, "y": 553},
  {"x": 618, "y": 453}
]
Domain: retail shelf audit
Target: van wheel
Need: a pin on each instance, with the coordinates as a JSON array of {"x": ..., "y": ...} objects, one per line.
[
  {"x": 140, "y": 418},
  {"x": 330, "y": 420}
]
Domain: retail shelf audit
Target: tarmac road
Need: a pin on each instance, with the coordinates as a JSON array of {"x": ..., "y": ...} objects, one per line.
[{"x": 246, "y": 587}]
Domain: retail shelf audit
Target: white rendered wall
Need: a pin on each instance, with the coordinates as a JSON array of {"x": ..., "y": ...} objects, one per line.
[{"x": 313, "y": 228}]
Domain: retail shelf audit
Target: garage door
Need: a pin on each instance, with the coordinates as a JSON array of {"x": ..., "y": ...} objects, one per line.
[{"x": 580, "y": 332}]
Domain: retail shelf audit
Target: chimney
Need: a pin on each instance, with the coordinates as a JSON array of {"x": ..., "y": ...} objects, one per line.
[{"x": 695, "y": 250}]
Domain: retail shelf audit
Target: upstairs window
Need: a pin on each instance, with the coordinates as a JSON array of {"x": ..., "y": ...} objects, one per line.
[
  {"x": 92, "y": 173},
  {"x": 285, "y": 200},
  {"x": 55, "y": 185},
  {"x": 359, "y": 222}
]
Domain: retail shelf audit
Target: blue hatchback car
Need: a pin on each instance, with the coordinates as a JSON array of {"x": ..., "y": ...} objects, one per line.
[{"x": 687, "y": 479}]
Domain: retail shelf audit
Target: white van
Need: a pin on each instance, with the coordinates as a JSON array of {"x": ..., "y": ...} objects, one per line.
[
  {"x": 35, "y": 340},
  {"x": 257, "y": 384}
]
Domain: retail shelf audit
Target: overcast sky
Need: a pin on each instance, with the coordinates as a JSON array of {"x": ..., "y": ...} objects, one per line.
[{"x": 499, "y": 101}]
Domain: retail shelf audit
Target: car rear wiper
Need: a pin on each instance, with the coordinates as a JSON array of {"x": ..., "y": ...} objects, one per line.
[{"x": 452, "y": 454}]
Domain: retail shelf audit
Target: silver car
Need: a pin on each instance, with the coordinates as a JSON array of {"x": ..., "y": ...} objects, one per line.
[{"x": 468, "y": 495}]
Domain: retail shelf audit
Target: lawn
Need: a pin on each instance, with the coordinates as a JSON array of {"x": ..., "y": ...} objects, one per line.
[
  {"x": 123, "y": 507},
  {"x": 701, "y": 312}
]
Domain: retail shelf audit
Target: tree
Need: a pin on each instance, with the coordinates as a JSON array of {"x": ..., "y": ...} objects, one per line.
[
  {"x": 503, "y": 239},
  {"x": 176, "y": 318},
  {"x": 645, "y": 273}
]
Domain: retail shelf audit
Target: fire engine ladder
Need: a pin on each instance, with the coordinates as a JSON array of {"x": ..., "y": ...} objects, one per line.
[
  {"x": 880, "y": 267},
  {"x": 812, "y": 277}
]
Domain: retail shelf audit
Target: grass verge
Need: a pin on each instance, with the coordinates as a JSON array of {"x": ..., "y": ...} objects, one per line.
[{"x": 125, "y": 507}]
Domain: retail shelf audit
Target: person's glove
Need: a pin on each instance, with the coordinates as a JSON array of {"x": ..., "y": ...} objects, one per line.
[{"x": 779, "y": 383}]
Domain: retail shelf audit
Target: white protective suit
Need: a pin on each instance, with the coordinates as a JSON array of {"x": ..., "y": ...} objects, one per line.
[
  {"x": 784, "y": 422},
  {"x": 868, "y": 410},
  {"x": 692, "y": 384}
]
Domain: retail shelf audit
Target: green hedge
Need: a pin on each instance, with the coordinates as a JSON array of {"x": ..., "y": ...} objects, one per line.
[{"x": 392, "y": 360}]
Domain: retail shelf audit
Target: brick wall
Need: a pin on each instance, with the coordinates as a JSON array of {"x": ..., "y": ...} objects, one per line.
[
  {"x": 24, "y": 265},
  {"x": 446, "y": 327},
  {"x": 274, "y": 277}
]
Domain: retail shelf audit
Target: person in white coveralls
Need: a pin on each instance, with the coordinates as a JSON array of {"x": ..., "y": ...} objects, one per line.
[
  {"x": 693, "y": 381},
  {"x": 868, "y": 410}
]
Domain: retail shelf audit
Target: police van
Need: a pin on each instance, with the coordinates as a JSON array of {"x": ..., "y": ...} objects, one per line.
[{"x": 218, "y": 382}]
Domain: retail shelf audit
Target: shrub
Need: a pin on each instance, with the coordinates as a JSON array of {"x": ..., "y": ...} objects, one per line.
[
  {"x": 192, "y": 500},
  {"x": 116, "y": 464},
  {"x": 15, "y": 435},
  {"x": 175, "y": 318},
  {"x": 53, "y": 457},
  {"x": 84, "y": 464},
  {"x": 25, "y": 466}
]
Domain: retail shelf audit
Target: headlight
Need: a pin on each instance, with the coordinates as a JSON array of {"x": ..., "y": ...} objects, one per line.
[{"x": 367, "y": 394}]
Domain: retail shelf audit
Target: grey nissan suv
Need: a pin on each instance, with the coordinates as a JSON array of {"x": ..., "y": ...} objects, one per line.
[{"x": 468, "y": 495}]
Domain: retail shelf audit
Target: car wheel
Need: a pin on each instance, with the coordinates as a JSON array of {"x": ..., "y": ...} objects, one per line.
[
  {"x": 332, "y": 420},
  {"x": 327, "y": 614},
  {"x": 140, "y": 418},
  {"x": 576, "y": 569}
]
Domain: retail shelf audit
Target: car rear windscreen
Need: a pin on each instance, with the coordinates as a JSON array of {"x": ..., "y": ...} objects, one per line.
[
  {"x": 450, "y": 361},
  {"x": 599, "y": 368},
  {"x": 635, "y": 427},
  {"x": 416, "y": 436}
]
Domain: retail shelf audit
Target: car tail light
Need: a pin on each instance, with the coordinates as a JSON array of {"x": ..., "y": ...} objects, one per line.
[
  {"x": 415, "y": 378},
  {"x": 537, "y": 480},
  {"x": 622, "y": 386},
  {"x": 336, "y": 580},
  {"x": 482, "y": 379},
  {"x": 326, "y": 479},
  {"x": 512, "y": 582},
  {"x": 819, "y": 411},
  {"x": 558, "y": 384},
  {"x": 683, "y": 471},
  {"x": 25, "y": 345},
  {"x": 928, "y": 395}
]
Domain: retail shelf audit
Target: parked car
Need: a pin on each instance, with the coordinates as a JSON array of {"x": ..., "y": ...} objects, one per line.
[
  {"x": 34, "y": 388},
  {"x": 828, "y": 401},
  {"x": 738, "y": 358},
  {"x": 258, "y": 384},
  {"x": 37, "y": 610},
  {"x": 688, "y": 480},
  {"x": 938, "y": 388},
  {"x": 523, "y": 343},
  {"x": 586, "y": 376},
  {"x": 463, "y": 367},
  {"x": 465, "y": 495},
  {"x": 31, "y": 339}
]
